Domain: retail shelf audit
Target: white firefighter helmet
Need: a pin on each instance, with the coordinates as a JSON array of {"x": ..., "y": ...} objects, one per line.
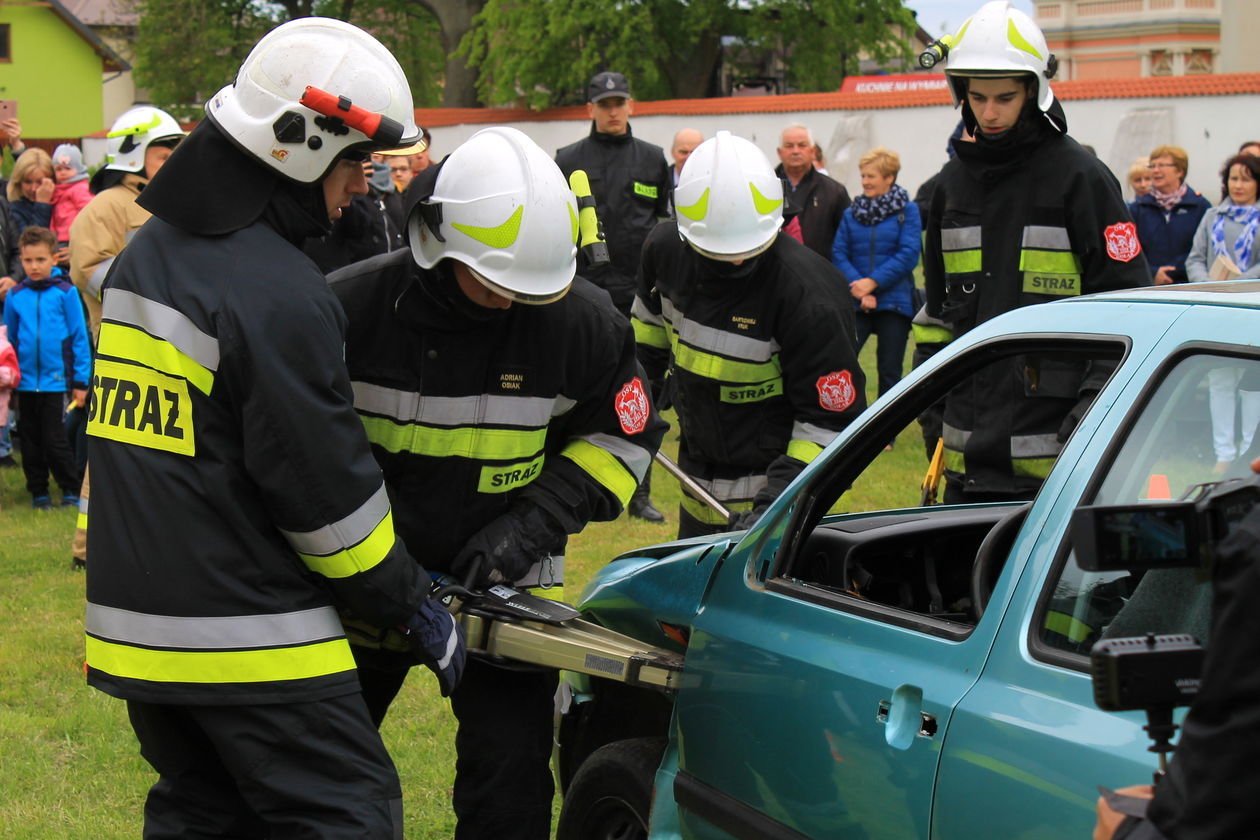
[
  {"x": 311, "y": 90},
  {"x": 501, "y": 206},
  {"x": 133, "y": 133},
  {"x": 1000, "y": 42},
  {"x": 729, "y": 201}
]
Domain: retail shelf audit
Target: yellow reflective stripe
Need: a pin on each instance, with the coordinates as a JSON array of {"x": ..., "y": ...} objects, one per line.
[
  {"x": 138, "y": 128},
  {"x": 702, "y": 512},
  {"x": 761, "y": 203},
  {"x": 1019, "y": 41},
  {"x": 962, "y": 262},
  {"x": 1032, "y": 467},
  {"x": 138, "y": 346},
  {"x": 358, "y": 558},
  {"x": 931, "y": 334},
  {"x": 645, "y": 190},
  {"x": 755, "y": 392},
  {"x": 1066, "y": 625},
  {"x": 724, "y": 370},
  {"x": 604, "y": 467},
  {"x": 1045, "y": 283},
  {"x": 501, "y": 478},
  {"x": 477, "y": 443},
  {"x": 649, "y": 335},
  {"x": 551, "y": 593},
  {"x": 696, "y": 211},
  {"x": 235, "y": 666},
  {"x": 81, "y": 522},
  {"x": 500, "y": 236},
  {"x": 803, "y": 450},
  {"x": 1050, "y": 262}
]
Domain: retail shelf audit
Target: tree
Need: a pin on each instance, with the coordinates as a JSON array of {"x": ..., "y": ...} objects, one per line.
[
  {"x": 455, "y": 20},
  {"x": 542, "y": 52},
  {"x": 186, "y": 50}
]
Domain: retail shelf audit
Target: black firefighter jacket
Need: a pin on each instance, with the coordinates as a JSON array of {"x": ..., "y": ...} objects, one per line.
[
  {"x": 631, "y": 184},
  {"x": 762, "y": 367},
  {"x": 235, "y": 498},
  {"x": 470, "y": 410},
  {"x": 1031, "y": 219}
]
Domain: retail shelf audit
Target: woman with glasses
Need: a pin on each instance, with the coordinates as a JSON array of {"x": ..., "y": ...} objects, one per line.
[
  {"x": 1168, "y": 215},
  {"x": 1225, "y": 247}
]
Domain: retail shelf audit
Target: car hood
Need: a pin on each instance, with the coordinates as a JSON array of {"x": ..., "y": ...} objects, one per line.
[{"x": 639, "y": 590}]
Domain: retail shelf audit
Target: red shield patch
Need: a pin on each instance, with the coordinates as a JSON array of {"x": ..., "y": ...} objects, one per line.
[
  {"x": 836, "y": 391},
  {"x": 632, "y": 407},
  {"x": 1122, "y": 241}
]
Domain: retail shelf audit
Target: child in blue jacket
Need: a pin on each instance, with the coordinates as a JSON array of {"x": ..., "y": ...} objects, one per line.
[{"x": 44, "y": 316}]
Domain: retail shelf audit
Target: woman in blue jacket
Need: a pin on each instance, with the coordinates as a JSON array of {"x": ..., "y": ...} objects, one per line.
[{"x": 876, "y": 248}]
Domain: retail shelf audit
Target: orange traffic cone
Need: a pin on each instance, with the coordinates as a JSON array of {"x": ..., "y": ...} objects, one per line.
[{"x": 1158, "y": 488}]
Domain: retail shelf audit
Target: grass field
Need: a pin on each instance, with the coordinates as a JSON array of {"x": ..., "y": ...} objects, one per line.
[{"x": 71, "y": 765}]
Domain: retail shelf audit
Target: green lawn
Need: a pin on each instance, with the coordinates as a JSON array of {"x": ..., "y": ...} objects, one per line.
[{"x": 71, "y": 765}]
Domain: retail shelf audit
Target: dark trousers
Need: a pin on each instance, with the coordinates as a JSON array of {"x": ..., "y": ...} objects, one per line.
[
  {"x": 891, "y": 329},
  {"x": 43, "y": 442},
  {"x": 315, "y": 771},
  {"x": 503, "y": 783}
]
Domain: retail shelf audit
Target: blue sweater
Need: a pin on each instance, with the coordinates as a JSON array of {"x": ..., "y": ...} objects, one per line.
[
  {"x": 886, "y": 252},
  {"x": 47, "y": 330},
  {"x": 1168, "y": 241}
]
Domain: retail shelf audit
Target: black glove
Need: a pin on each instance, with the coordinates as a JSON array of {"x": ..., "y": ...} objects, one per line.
[
  {"x": 506, "y": 548},
  {"x": 438, "y": 643},
  {"x": 1074, "y": 416},
  {"x": 745, "y": 520}
]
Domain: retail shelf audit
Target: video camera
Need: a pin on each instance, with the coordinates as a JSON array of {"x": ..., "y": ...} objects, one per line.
[
  {"x": 1157, "y": 673},
  {"x": 1177, "y": 534}
]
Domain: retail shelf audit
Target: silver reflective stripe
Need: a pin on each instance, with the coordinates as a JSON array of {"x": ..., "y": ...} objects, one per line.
[
  {"x": 960, "y": 239},
  {"x": 160, "y": 320},
  {"x": 562, "y": 406},
  {"x": 97, "y": 277},
  {"x": 734, "y": 489},
  {"x": 639, "y": 310},
  {"x": 955, "y": 439},
  {"x": 349, "y": 532},
  {"x": 83, "y": 504},
  {"x": 1035, "y": 446},
  {"x": 546, "y": 573},
  {"x": 213, "y": 632},
  {"x": 477, "y": 410},
  {"x": 714, "y": 340},
  {"x": 1047, "y": 238},
  {"x": 813, "y": 433},
  {"x": 635, "y": 457}
]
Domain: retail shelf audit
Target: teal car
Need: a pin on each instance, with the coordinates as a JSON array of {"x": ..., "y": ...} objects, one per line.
[{"x": 921, "y": 671}]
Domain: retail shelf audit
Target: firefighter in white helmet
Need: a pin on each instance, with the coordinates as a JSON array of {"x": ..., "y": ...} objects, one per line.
[
  {"x": 504, "y": 403},
  {"x": 1023, "y": 215},
  {"x": 238, "y": 505},
  {"x": 138, "y": 144},
  {"x": 755, "y": 330}
]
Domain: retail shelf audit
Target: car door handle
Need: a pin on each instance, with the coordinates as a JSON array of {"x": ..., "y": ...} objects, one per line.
[{"x": 903, "y": 717}]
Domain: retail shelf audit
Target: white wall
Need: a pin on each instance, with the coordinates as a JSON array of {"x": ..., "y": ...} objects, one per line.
[{"x": 1210, "y": 128}]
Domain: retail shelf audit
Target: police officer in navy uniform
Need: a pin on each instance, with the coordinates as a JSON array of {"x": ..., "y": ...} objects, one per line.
[
  {"x": 237, "y": 503},
  {"x": 505, "y": 405},
  {"x": 1022, "y": 215},
  {"x": 631, "y": 183}
]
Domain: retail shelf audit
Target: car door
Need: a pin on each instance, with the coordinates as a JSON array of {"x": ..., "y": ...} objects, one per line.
[
  {"x": 808, "y": 710},
  {"x": 1028, "y": 733}
]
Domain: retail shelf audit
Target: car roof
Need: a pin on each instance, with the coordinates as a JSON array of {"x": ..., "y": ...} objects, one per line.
[{"x": 1244, "y": 293}]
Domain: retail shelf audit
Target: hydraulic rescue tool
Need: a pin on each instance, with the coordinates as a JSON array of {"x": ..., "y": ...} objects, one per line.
[{"x": 504, "y": 623}]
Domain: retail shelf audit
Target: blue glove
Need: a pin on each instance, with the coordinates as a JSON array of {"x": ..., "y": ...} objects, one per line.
[{"x": 438, "y": 643}]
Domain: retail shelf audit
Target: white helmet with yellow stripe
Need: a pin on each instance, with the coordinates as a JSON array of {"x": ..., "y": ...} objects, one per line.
[
  {"x": 999, "y": 41},
  {"x": 501, "y": 206},
  {"x": 133, "y": 133},
  {"x": 728, "y": 200}
]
